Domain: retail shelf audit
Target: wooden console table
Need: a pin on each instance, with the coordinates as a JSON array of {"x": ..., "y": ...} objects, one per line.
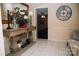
[{"x": 11, "y": 34}]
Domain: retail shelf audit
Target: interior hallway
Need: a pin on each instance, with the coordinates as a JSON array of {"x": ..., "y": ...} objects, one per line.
[{"x": 48, "y": 48}]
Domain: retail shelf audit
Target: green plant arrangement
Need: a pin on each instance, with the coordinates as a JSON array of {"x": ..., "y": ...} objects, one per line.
[
  {"x": 21, "y": 18},
  {"x": 22, "y": 22}
]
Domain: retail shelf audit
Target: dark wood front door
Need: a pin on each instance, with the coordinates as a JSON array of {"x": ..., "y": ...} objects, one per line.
[{"x": 42, "y": 23}]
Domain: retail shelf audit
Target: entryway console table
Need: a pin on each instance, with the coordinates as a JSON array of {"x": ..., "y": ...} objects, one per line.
[{"x": 12, "y": 35}]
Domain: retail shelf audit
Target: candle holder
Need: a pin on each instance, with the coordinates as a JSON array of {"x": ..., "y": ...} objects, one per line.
[{"x": 8, "y": 17}]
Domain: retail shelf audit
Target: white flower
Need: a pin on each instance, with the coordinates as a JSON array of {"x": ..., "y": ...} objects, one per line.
[
  {"x": 25, "y": 17},
  {"x": 22, "y": 13}
]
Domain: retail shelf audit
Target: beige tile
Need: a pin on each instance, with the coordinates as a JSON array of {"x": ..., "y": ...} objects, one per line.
[{"x": 48, "y": 48}]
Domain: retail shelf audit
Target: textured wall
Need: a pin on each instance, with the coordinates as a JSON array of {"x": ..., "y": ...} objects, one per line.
[
  {"x": 58, "y": 30},
  {"x": 2, "y": 52}
]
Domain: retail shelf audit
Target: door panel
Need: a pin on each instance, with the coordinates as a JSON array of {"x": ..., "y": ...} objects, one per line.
[{"x": 42, "y": 23}]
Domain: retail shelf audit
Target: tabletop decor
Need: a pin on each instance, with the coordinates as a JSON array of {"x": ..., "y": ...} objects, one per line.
[{"x": 19, "y": 18}]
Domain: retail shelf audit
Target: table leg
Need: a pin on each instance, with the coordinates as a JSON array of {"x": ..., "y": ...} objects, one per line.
[{"x": 13, "y": 45}]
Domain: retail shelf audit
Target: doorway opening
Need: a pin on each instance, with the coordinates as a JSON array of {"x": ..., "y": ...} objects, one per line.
[{"x": 42, "y": 23}]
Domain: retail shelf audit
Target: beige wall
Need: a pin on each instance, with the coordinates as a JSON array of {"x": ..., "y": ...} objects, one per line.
[
  {"x": 58, "y": 30},
  {"x": 2, "y": 52}
]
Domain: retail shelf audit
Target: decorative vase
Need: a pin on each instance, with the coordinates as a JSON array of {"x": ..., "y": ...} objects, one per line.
[{"x": 14, "y": 24}]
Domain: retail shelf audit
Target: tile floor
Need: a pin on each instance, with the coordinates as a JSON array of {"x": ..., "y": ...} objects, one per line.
[{"x": 48, "y": 48}]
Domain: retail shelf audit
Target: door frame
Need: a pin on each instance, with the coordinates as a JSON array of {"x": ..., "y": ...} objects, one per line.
[{"x": 35, "y": 17}]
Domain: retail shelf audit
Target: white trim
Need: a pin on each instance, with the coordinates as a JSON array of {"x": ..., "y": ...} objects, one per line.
[{"x": 58, "y": 40}]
